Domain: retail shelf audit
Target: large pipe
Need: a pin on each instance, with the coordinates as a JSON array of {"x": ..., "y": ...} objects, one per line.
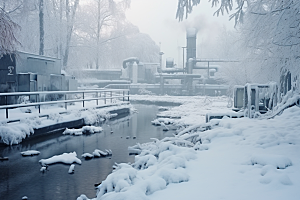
[
  {"x": 179, "y": 76},
  {"x": 131, "y": 61},
  {"x": 210, "y": 67},
  {"x": 174, "y": 70}
]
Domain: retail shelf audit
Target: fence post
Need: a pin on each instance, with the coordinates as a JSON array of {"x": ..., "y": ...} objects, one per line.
[
  {"x": 111, "y": 97},
  {"x": 128, "y": 95},
  {"x": 100, "y": 94},
  {"x": 104, "y": 97},
  {"x": 66, "y": 106},
  {"x": 6, "y": 113},
  {"x": 97, "y": 97},
  {"x": 83, "y": 100},
  {"x": 39, "y": 108},
  {"x": 123, "y": 95}
]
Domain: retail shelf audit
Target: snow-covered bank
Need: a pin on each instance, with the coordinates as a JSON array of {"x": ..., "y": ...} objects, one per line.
[
  {"x": 246, "y": 159},
  {"x": 238, "y": 159},
  {"x": 14, "y": 133},
  {"x": 192, "y": 109}
]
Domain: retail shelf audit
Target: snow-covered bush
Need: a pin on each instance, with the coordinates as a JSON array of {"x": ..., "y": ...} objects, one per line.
[
  {"x": 15, "y": 134},
  {"x": 158, "y": 165}
]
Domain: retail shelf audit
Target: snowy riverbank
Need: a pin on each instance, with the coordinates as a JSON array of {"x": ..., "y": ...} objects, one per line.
[
  {"x": 14, "y": 133},
  {"x": 238, "y": 159},
  {"x": 192, "y": 109}
]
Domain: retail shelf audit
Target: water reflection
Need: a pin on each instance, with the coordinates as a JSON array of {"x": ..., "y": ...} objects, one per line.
[{"x": 20, "y": 176}]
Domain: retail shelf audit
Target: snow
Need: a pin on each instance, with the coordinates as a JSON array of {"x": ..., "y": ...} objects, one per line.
[
  {"x": 66, "y": 158},
  {"x": 162, "y": 164},
  {"x": 99, "y": 153},
  {"x": 30, "y": 153},
  {"x": 84, "y": 129},
  {"x": 43, "y": 169},
  {"x": 87, "y": 156},
  {"x": 235, "y": 158},
  {"x": 14, "y": 133},
  {"x": 71, "y": 169},
  {"x": 192, "y": 109}
]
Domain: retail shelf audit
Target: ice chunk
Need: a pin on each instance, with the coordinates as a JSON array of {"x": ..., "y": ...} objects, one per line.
[
  {"x": 83, "y": 130},
  {"x": 161, "y": 108},
  {"x": 30, "y": 153},
  {"x": 133, "y": 150},
  {"x": 87, "y": 156},
  {"x": 99, "y": 153},
  {"x": 73, "y": 132},
  {"x": 66, "y": 158},
  {"x": 71, "y": 169},
  {"x": 43, "y": 169},
  {"x": 82, "y": 197},
  {"x": 156, "y": 122},
  {"x": 91, "y": 129}
]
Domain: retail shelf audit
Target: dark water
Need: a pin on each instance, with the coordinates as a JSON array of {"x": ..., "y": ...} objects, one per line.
[{"x": 21, "y": 176}]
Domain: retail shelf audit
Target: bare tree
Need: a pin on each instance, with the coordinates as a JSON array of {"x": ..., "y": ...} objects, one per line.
[
  {"x": 42, "y": 31},
  {"x": 271, "y": 33},
  {"x": 185, "y": 7},
  {"x": 8, "y": 41},
  {"x": 70, "y": 16}
]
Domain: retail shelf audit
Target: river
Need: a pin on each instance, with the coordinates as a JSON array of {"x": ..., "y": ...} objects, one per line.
[{"x": 21, "y": 176}]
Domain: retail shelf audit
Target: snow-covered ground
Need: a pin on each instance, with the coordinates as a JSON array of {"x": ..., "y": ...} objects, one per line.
[{"x": 238, "y": 159}]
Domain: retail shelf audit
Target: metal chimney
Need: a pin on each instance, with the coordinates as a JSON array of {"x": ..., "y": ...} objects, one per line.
[{"x": 191, "y": 36}]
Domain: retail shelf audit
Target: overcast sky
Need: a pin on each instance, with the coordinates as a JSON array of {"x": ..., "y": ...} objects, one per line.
[{"x": 157, "y": 19}]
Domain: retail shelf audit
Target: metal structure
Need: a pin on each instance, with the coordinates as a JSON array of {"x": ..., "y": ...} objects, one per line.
[
  {"x": 66, "y": 97},
  {"x": 250, "y": 100}
]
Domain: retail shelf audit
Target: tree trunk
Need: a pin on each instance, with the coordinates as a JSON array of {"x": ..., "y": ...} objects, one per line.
[
  {"x": 60, "y": 28},
  {"x": 70, "y": 15},
  {"x": 42, "y": 33},
  {"x": 98, "y": 34}
]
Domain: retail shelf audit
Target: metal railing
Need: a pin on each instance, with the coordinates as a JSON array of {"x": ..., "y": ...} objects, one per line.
[{"x": 65, "y": 97}]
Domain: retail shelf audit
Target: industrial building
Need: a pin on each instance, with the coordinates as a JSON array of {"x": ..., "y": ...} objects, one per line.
[
  {"x": 196, "y": 76},
  {"x": 25, "y": 72}
]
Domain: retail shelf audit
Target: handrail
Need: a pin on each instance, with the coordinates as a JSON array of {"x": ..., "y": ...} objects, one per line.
[
  {"x": 60, "y": 92},
  {"x": 124, "y": 96}
]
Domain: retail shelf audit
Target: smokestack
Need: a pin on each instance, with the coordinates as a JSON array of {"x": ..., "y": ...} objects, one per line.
[{"x": 191, "y": 36}]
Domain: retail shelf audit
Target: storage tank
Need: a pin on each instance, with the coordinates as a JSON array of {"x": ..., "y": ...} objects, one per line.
[{"x": 169, "y": 62}]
